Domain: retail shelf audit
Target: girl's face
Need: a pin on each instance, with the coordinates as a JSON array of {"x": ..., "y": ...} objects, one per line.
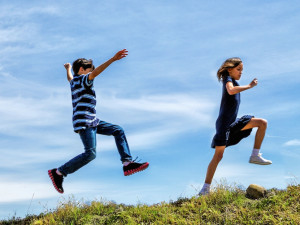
[{"x": 236, "y": 72}]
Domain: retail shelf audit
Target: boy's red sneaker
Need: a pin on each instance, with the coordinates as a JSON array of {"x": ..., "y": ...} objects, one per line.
[
  {"x": 134, "y": 167},
  {"x": 57, "y": 180}
]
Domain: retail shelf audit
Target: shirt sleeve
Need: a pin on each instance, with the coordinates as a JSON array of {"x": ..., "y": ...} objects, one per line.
[
  {"x": 86, "y": 80},
  {"x": 227, "y": 79}
]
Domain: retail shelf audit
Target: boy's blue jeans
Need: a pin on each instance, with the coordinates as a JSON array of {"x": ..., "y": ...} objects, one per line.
[{"x": 88, "y": 137}]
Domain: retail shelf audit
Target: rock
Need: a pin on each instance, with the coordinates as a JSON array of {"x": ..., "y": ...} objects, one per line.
[{"x": 255, "y": 191}]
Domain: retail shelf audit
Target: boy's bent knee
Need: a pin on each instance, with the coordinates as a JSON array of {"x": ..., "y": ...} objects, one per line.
[
  {"x": 91, "y": 155},
  {"x": 118, "y": 131}
]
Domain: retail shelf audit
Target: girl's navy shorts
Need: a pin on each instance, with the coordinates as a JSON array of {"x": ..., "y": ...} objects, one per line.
[{"x": 235, "y": 133}]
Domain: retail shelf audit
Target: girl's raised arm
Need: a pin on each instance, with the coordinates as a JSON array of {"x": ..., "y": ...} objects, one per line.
[{"x": 232, "y": 90}]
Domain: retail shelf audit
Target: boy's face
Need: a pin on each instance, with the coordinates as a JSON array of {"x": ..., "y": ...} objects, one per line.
[{"x": 84, "y": 71}]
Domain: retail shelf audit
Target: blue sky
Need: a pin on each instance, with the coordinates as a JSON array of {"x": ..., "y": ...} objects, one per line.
[{"x": 165, "y": 95}]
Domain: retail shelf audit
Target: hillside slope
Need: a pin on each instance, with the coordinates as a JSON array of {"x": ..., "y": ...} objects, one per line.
[{"x": 224, "y": 206}]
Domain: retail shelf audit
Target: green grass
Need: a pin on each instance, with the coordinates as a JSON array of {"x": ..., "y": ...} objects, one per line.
[{"x": 226, "y": 205}]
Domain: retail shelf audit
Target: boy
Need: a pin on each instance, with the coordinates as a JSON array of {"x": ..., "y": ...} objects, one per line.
[{"x": 87, "y": 125}]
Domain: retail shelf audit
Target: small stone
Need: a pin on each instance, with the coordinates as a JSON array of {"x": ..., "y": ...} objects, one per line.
[{"x": 255, "y": 191}]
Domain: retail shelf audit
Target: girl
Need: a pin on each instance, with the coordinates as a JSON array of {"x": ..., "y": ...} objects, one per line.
[{"x": 229, "y": 129}]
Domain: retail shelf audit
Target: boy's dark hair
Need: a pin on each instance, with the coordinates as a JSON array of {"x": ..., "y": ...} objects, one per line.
[{"x": 82, "y": 62}]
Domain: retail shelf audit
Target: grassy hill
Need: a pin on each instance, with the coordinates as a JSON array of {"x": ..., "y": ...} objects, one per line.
[{"x": 226, "y": 205}]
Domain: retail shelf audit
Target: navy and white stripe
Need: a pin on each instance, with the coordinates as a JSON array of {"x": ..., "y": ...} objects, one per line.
[{"x": 84, "y": 102}]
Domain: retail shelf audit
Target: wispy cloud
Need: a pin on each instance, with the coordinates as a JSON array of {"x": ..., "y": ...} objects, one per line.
[
  {"x": 13, "y": 193},
  {"x": 11, "y": 11},
  {"x": 22, "y": 32},
  {"x": 294, "y": 142},
  {"x": 169, "y": 107},
  {"x": 38, "y": 189}
]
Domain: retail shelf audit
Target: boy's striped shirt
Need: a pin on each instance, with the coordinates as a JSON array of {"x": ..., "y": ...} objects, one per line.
[{"x": 84, "y": 102}]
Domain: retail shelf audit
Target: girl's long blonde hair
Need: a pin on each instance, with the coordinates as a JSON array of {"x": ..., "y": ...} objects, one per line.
[{"x": 229, "y": 63}]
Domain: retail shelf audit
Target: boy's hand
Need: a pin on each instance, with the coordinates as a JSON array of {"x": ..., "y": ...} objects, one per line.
[
  {"x": 69, "y": 73},
  {"x": 67, "y": 66},
  {"x": 253, "y": 83},
  {"x": 120, "y": 54}
]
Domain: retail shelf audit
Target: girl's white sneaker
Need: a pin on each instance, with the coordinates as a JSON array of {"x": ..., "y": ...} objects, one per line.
[{"x": 258, "y": 159}]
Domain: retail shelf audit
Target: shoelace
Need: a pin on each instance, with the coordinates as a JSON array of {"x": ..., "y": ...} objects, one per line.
[
  {"x": 136, "y": 159},
  {"x": 260, "y": 155}
]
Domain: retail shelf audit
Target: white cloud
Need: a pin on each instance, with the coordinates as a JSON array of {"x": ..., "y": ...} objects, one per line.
[
  {"x": 10, "y": 190},
  {"x": 21, "y": 33},
  {"x": 158, "y": 118},
  {"x": 19, "y": 113},
  {"x": 294, "y": 142},
  {"x": 274, "y": 109},
  {"x": 177, "y": 108},
  {"x": 17, "y": 33},
  {"x": 11, "y": 11},
  {"x": 13, "y": 193}
]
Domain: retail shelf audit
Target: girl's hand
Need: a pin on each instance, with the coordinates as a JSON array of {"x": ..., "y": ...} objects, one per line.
[
  {"x": 67, "y": 66},
  {"x": 253, "y": 83},
  {"x": 120, "y": 54}
]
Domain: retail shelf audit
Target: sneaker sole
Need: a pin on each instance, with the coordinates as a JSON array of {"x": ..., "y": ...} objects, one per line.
[
  {"x": 52, "y": 179},
  {"x": 260, "y": 163},
  {"x": 141, "y": 168}
]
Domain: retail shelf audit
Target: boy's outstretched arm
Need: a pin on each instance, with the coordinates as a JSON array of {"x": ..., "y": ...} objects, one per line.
[
  {"x": 69, "y": 72},
  {"x": 119, "y": 55}
]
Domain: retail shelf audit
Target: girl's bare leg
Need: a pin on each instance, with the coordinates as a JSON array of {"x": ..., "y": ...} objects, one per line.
[
  {"x": 219, "y": 150},
  {"x": 261, "y": 124}
]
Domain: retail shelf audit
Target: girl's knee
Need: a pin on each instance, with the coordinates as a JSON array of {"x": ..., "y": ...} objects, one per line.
[{"x": 263, "y": 123}]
